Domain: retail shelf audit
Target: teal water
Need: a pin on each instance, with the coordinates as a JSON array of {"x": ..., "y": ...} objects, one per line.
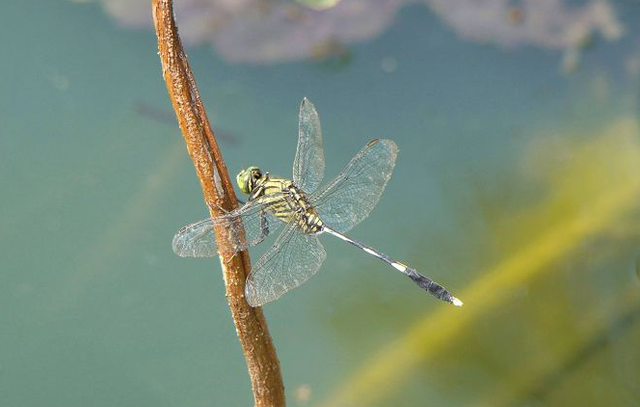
[{"x": 516, "y": 187}]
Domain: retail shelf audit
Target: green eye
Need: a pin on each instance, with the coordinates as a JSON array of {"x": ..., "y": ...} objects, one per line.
[{"x": 247, "y": 178}]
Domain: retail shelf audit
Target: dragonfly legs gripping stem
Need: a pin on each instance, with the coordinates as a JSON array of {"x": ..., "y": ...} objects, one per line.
[
  {"x": 264, "y": 232},
  {"x": 221, "y": 209},
  {"x": 426, "y": 283}
]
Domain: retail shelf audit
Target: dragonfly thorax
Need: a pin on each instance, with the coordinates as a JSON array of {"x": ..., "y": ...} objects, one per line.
[{"x": 283, "y": 199}]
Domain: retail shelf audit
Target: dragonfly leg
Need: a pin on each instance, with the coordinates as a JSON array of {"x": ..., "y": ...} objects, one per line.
[
  {"x": 264, "y": 232},
  {"x": 264, "y": 225},
  {"x": 221, "y": 209},
  {"x": 230, "y": 258},
  {"x": 264, "y": 228},
  {"x": 218, "y": 207}
]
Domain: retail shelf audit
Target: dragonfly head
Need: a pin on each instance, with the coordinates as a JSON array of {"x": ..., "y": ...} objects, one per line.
[{"x": 247, "y": 179}]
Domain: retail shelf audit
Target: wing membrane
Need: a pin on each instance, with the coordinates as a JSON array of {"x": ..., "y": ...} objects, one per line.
[
  {"x": 353, "y": 194},
  {"x": 308, "y": 166},
  {"x": 199, "y": 240},
  {"x": 291, "y": 261}
]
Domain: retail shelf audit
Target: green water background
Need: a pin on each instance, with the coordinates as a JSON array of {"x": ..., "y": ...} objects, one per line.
[{"x": 96, "y": 310}]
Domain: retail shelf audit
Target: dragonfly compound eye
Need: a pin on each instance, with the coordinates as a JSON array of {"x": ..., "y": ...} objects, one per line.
[{"x": 246, "y": 179}]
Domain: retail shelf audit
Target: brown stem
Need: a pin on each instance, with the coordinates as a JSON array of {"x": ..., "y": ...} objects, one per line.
[{"x": 259, "y": 352}]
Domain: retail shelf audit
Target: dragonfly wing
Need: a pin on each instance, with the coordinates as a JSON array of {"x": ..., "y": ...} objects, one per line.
[
  {"x": 353, "y": 194},
  {"x": 292, "y": 260},
  {"x": 199, "y": 240},
  {"x": 308, "y": 166}
]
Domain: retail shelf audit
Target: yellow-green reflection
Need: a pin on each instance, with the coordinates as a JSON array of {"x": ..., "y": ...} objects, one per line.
[
  {"x": 319, "y": 4},
  {"x": 585, "y": 192}
]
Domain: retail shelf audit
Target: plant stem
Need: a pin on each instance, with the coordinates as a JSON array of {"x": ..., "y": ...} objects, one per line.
[{"x": 259, "y": 352}]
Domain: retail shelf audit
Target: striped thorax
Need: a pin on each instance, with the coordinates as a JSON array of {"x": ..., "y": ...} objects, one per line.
[{"x": 281, "y": 197}]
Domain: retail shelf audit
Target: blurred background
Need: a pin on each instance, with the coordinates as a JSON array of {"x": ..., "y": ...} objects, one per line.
[{"x": 517, "y": 187}]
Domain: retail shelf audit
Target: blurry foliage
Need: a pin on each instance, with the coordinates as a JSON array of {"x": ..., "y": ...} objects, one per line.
[{"x": 519, "y": 330}]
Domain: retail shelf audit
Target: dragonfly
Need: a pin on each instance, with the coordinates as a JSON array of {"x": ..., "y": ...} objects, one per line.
[{"x": 303, "y": 212}]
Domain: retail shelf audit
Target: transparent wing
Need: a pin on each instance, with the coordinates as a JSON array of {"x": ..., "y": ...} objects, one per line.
[
  {"x": 199, "y": 240},
  {"x": 291, "y": 261},
  {"x": 353, "y": 194},
  {"x": 308, "y": 167}
]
